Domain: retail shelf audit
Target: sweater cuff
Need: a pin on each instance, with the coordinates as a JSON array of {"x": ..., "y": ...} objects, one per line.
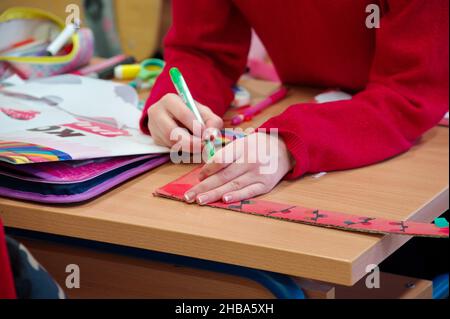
[
  {"x": 295, "y": 146},
  {"x": 143, "y": 122}
]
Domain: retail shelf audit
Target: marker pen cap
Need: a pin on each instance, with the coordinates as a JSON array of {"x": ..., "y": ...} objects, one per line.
[
  {"x": 242, "y": 97},
  {"x": 127, "y": 71},
  {"x": 61, "y": 39}
]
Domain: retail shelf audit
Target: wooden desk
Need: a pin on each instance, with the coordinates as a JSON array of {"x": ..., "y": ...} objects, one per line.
[{"x": 411, "y": 186}]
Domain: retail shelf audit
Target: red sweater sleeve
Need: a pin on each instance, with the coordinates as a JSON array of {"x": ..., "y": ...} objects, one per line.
[
  {"x": 7, "y": 289},
  {"x": 407, "y": 94},
  {"x": 209, "y": 42}
]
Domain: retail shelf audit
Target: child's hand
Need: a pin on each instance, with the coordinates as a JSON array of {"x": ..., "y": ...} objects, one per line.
[
  {"x": 170, "y": 112},
  {"x": 243, "y": 169}
]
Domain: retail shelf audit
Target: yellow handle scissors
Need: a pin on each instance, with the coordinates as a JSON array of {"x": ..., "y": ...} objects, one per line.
[{"x": 149, "y": 72}]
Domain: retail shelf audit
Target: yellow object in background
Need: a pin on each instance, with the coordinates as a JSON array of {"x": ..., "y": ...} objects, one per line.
[
  {"x": 127, "y": 71},
  {"x": 149, "y": 72}
]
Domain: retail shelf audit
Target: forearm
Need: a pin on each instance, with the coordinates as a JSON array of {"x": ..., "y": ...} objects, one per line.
[
  {"x": 375, "y": 125},
  {"x": 209, "y": 43}
]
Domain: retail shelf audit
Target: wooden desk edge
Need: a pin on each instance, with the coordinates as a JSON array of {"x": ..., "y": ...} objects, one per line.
[
  {"x": 437, "y": 205},
  {"x": 204, "y": 248},
  {"x": 188, "y": 245}
]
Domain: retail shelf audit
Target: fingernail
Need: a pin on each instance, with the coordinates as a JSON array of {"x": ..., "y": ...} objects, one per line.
[
  {"x": 213, "y": 134},
  {"x": 189, "y": 196},
  {"x": 202, "y": 199},
  {"x": 227, "y": 198}
]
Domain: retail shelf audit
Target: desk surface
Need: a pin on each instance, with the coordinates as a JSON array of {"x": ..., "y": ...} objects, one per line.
[{"x": 411, "y": 186}]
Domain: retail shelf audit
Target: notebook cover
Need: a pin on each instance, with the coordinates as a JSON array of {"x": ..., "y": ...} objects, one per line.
[
  {"x": 67, "y": 171},
  {"x": 78, "y": 193}
]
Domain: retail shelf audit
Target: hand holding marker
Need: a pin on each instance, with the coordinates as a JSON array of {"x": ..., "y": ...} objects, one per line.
[{"x": 185, "y": 94}]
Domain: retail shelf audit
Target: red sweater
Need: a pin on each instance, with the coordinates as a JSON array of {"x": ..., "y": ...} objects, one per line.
[
  {"x": 399, "y": 72},
  {"x": 7, "y": 289}
]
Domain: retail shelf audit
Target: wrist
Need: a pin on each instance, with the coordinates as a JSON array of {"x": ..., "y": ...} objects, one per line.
[
  {"x": 287, "y": 154},
  {"x": 286, "y": 160}
]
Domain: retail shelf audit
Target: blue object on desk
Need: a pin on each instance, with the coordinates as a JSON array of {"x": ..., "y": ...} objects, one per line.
[
  {"x": 281, "y": 286},
  {"x": 440, "y": 286},
  {"x": 441, "y": 222}
]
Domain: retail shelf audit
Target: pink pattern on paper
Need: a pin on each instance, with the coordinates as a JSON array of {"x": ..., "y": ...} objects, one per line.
[{"x": 19, "y": 114}]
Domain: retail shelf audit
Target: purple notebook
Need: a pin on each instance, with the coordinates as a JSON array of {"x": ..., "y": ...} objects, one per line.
[{"x": 72, "y": 181}]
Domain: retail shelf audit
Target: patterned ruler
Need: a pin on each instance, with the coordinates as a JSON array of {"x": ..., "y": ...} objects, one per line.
[{"x": 176, "y": 189}]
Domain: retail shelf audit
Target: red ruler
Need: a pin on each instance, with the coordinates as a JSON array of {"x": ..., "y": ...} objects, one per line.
[{"x": 316, "y": 217}]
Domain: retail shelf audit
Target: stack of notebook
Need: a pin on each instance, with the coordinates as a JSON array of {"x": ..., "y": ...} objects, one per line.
[
  {"x": 68, "y": 139},
  {"x": 71, "y": 181}
]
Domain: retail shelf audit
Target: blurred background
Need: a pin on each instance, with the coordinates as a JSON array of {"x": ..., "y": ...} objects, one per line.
[
  {"x": 132, "y": 27},
  {"x": 135, "y": 28}
]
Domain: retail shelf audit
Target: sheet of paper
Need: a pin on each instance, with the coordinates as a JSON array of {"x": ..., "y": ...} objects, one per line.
[
  {"x": 84, "y": 97},
  {"x": 444, "y": 121},
  {"x": 70, "y": 117},
  {"x": 12, "y": 80},
  {"x": 332, "y": 96},
  {"x": 17, "y": 115},
  {"x": 311, "y": 216}
]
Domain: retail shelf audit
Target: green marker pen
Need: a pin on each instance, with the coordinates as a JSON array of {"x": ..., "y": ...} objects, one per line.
[{"x": 183, "y": 91}]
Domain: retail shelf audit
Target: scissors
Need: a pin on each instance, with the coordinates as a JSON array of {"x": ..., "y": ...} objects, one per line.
[{"x": 150, "y": 70}]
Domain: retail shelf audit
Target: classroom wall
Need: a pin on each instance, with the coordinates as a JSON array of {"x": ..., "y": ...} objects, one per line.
[{"x": 138, "y": 26}]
